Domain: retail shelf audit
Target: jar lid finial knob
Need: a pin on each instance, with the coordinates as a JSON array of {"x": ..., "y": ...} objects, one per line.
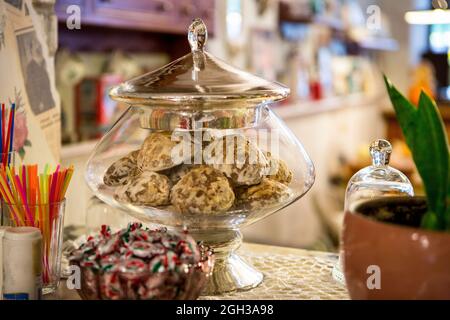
[
  {"x": 380, "y": 150},
  {"x": 197, "y": 35}
]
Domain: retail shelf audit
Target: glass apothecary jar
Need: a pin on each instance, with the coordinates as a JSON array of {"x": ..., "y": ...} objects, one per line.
[{"x": 199, "y": 147}]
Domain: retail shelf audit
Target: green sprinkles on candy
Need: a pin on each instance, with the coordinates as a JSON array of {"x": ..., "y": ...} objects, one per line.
[
  {"x": 157, "y": 267},
  {"x": 169, "y": 255}
]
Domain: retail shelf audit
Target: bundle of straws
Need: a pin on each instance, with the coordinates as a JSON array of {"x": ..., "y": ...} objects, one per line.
[
  {"x": 33, "y": 200},
  {"x": 7, "y": 132}
]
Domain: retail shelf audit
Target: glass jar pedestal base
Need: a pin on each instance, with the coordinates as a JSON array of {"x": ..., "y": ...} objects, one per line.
[{"x": 231, "y": 272}]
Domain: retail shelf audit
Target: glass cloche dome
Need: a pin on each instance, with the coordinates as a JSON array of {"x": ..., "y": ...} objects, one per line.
[
  {"x": 378, "y": 180},
  {"x": 200, "y": 148}
]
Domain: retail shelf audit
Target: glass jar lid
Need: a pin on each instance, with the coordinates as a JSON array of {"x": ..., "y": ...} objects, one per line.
[{"x": 198, "y": 80}]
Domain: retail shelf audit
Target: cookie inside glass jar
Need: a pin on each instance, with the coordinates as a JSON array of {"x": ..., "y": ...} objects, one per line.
[
  {"x": 238, "y": 158},
  {"x": 176, "y": 173},
  {"x": 148, "y": 188},
  {"x": 120, "y": 172},
  {"x": 203, "y": 190},
  {"x": 160, "y": 151},
  {"x": 266, "y": 194},
  {"x": 278, "y": 169}
]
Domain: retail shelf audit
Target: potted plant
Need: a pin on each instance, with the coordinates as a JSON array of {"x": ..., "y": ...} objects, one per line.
[{"x": 399, "y": 247}]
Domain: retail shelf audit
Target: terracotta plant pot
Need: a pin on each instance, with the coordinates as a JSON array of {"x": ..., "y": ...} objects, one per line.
[{"x": 387, "y": 255}]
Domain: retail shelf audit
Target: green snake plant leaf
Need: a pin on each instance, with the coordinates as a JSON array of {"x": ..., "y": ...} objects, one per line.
[
  {"x": 432, "y": 156},
  {"x": 426, "y": 137},
  {"x": 406, "y": 112}
]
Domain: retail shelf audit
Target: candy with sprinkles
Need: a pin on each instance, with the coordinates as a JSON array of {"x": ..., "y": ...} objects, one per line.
[{"x": 139, "y": 263}]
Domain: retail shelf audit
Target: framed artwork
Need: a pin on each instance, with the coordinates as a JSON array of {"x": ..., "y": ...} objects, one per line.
[{"x": 35, "y": 73}]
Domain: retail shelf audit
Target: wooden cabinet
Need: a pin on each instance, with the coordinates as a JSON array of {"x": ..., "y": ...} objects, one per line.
[
  {"x": 162, "y": 16},
  {"x": 61, "y": 7}
]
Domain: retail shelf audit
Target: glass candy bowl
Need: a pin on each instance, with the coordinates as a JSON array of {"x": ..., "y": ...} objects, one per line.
[{"x": 199, "y": 148}]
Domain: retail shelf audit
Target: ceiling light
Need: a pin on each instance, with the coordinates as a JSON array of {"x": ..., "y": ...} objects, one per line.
[{"x": 437, "y": 16}]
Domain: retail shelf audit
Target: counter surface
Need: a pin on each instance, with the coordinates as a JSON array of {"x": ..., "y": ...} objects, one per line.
[{"x": 288, "y": 274}]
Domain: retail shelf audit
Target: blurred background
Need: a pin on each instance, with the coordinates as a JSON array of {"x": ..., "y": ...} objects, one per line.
[{"x": 331, "y": 53}]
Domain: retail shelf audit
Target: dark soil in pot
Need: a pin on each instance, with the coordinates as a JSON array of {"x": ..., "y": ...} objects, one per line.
[{"x": 405, "y": 211}]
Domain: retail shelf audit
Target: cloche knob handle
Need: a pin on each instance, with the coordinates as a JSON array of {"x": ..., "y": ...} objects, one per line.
[{"x": 380, "y": 150}]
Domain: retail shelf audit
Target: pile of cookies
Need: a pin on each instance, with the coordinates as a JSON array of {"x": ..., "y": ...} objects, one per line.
[{"x": 153, "y": 176}]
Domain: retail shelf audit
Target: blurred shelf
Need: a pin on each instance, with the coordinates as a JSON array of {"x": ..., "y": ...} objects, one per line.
[
  {"x": 162, "y": 16},
  {"x": 310, "y": 108},
  {"x": 131, "y": 25},
  {"x": 331, "y": 22},
  {"x": 378, "y": 43}
]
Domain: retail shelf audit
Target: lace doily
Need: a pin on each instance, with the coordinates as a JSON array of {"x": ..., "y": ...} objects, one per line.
[{"x": 291, "y": 276}]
